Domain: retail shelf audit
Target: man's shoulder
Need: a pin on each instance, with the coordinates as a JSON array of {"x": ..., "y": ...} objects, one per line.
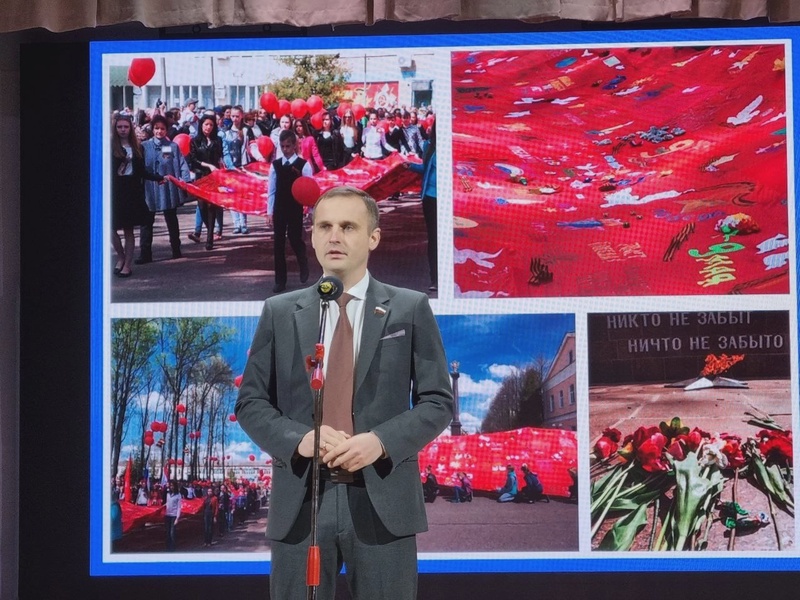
[
  {"x": 290, "y": 300},
  {"x": 399, "y": 292}
]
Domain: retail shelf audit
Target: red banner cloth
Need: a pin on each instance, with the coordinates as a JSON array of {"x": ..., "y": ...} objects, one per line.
[
  {"x": 134, "y": 516},
  {"x": 549, "y": 453},
  {"x": 611, "y": 171},
  {"x": 247, "y": 190}
]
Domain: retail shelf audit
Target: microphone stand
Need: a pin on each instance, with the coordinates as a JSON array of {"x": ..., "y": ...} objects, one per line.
[{"x": 317, "y": 385}]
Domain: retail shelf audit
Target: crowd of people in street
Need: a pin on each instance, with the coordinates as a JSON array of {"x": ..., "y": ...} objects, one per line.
[
  {"x": 225, "y": 505},
  {"x": 145, "y": 152}
]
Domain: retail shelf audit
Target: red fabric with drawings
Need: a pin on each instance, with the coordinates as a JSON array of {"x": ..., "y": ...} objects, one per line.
[{"x": 606, "y": 172}]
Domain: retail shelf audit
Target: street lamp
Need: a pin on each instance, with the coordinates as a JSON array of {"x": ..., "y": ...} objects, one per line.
[{"x": 455, "y": 425}]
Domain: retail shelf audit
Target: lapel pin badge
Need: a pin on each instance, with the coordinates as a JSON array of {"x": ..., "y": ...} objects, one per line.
[{"x": 379, "y": 311}]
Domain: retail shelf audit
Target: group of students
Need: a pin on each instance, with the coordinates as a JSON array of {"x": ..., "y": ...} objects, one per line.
[
  {"x": 532, "y": 491},
  {"x": 144, "y": 154},
  {"x": 223, "y": 505}
]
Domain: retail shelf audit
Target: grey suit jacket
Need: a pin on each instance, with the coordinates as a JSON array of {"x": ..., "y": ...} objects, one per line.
[{"x": 402, "y": 394}]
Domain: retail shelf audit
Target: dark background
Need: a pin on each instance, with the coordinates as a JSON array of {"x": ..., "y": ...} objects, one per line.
[
  {"x": 611, "y": 360},
  {"x": 54, "y": 353}
]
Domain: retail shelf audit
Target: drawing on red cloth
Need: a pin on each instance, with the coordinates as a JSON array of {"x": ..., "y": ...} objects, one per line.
[{"x": 620, "y": 171}]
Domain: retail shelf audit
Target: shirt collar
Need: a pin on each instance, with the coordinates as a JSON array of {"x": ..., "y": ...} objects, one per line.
[
  {"x": 359, "y": 290},
  {"x": 289, "y": 160}
]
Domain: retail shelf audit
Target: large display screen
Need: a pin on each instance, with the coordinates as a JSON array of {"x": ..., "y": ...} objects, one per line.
[{"x": 607, "y": 250}]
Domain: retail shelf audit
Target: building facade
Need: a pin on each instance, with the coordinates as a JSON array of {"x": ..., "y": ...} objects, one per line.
[{"x": 559, "y": 395}]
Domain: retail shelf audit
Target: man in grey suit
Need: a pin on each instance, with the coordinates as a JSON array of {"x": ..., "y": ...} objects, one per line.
[{"x": 371, "y": 503}]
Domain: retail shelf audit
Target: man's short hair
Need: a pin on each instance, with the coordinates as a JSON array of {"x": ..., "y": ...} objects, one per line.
[
  {"x": 287, "y": 134},
  {"x": 349, "y": 190}
]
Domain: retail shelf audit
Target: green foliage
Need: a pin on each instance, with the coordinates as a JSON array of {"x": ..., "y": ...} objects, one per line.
[
  {"x": 321, "y": 74},
  {"x": 518, "y": 390}
]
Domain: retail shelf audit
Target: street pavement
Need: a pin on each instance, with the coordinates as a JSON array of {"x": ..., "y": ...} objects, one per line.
[
  {"x": 482, "y": 525},
  {"x": 714, "y": 410},
  {"x": 241, "y": 268}
]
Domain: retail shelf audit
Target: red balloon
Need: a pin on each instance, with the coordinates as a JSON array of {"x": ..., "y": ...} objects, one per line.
[
  {"x": 269, "y": 102},
  {"x": 171, "y": 461},
  {"x": 316, "y": 119},
  {"x": 232, "y": 418},
  {"x": 141, "y": 71},
  {"x": 184, "y": 144},
  {"x": 265, "y": 146},
  {"x": 283, "y": 108},
  {"x": 228, "y": 457},
  {"x": 180, "y": 408},
  {"x": 155, "y": 426},
  {"x": 180, "y": 462},
  {"x": 182, "y": 421},
  {"x": 191, "y": 435},
  {"x": 314, "y": 104},
  {"x": 148, "y": 441},
  {"x": 252, "y": 457},
  {"x": 306, "y": 191},
  {"x": 197, "y": 434},
  {"x": 343, "y": 106},
  {"x": 299, "y": 108},
  {"x": 358, "y": 112},
  {"x": 237, "y": 381}
]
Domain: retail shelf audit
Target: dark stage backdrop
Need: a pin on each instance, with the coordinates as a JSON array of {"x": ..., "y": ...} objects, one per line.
[{"x": 54, "y": 392}]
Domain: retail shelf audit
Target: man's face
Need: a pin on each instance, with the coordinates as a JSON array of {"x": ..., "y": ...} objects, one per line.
[
  {"x": 236, "y": 117},
  {"x": 342, "y": 238},
  {"x": 288, "y": 147}
]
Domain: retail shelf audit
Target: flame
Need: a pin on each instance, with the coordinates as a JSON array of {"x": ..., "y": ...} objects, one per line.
[{"x": 718, "y": 365}]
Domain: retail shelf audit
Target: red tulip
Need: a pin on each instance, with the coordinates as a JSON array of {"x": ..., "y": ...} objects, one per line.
[
  {"x": 232, "y": 418},
  {"x": 182, "y": 421},
  {"x": 181, "y": 408},
  {"x": 252, "y": 457}
]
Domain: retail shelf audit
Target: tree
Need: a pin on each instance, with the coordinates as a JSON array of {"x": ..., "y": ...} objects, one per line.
[
  {"x": 321, "y": 74},
  {"x": 185, "y": 343},
  {"x": 510, "y": 407},
  {"x": 133, "y": 343}
]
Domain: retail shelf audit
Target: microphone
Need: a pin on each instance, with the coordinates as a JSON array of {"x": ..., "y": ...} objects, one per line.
[{"x": 330, "y": 288}]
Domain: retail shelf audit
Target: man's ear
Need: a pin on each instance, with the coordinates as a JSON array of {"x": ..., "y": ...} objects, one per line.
[{"x": 374, "y": 238}]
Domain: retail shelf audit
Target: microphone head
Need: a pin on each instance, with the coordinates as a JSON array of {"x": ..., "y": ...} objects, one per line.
[{"x": 330, "y": 288}]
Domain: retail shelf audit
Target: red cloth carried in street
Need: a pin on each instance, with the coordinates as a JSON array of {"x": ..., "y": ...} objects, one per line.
[
  {"x": 246, "y": 190},
  {"x": 620, "y": 171},
  {"x": 134, "y": 516}
]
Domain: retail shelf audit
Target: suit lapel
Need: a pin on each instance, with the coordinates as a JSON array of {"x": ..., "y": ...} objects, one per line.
[
  {"x": 306, "y": 318},
  {"x": 374, "y": 324}
]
